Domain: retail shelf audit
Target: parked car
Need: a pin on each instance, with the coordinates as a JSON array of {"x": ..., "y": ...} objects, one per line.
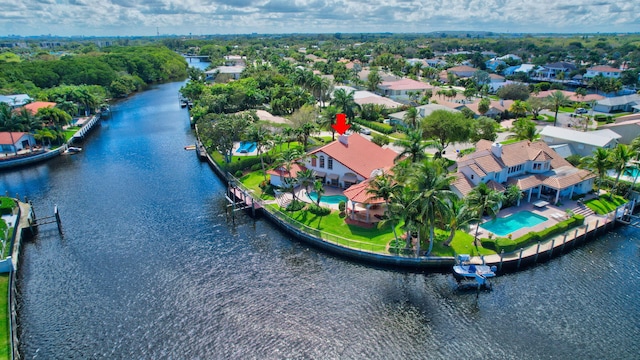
[
  {"x": 365, "y": 131},
  {"x": 581, "y": 111}
]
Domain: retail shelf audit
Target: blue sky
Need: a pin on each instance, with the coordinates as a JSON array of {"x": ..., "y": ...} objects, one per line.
[{"x": 143, "y": 17}]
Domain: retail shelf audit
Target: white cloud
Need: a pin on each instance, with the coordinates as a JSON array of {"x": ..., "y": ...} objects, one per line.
[{"x": 141, "y": 17}]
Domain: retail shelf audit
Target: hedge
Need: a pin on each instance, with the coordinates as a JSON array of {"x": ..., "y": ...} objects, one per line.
[
  {"x": 510, "y": 245},
  {"x": 6, "y": 205},
  {"x": 383, "y": 128}
]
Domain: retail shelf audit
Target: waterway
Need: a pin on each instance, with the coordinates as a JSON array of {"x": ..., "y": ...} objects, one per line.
[{"x": 151, "y": 267}]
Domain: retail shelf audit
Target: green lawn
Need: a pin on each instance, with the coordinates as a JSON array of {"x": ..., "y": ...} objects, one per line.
[
  {"x": 605, "y": 204},
  {"x": 252, "y": 181},
  {"x": 5, "y": 336}
]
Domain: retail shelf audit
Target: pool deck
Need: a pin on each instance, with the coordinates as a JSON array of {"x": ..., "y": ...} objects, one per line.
[{"x": 554, "y": 214}]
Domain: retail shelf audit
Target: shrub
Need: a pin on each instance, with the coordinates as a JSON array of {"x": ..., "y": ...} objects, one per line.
[
  {"x": 256, "y": 167},
  {"x": 380, "y": 140},
  {"x": 318, "y": 210},
  {"x": 342, "y": 205},
  {"x": 6, "y": 205},
  {"x": 383, "y": 128},
  {"x": 296, "y": 205},
  {"x": 488, "y": 244},
  {"x": 238, "y": 173},
  {"x": 527, "y": 239}
]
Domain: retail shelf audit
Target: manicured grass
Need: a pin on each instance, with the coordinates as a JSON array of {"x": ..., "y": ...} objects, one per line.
[
  {"x": 616, "y": 115},
  {"x": 462, "y": 244},
  {"x": 252, "y": 181},
  {"x": 510, "y": 141},
  {"x": 605, "y": 204},
  {"x": 5, "y": 335}
]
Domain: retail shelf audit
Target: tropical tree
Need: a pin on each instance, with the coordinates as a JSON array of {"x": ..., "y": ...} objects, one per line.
[
  {"x": 536, "y": 104},
  {"x": 459, "y": 218},
  {"x": 318, "y": 187},
  {"x": 411, "y": 117},
  {"x": 599, "y": 163},
  {"x": 620, "y": 158},
  {"x": 519, "y": 108},
  {"x": 524, "y": 129},
  {"x": 413, "y": 147},
  {"x": 286, "y": 160},
  {"x": 484, "y": 128},
  {"x": 434, "y": 196},
  {"x": 554, "y": 101},
  {"x": 306, "y": 178},
  {"x": 484, "y": 105},
  {"x": 483, "y": 200},
  {"x": 345, "y": 102},
  {"x": 383, "y": 186},
  {"x": 446, "y": 127},
  {"x": 403, "y": 207},
  {"x": 328, "y": 118},
  {"x": 260, "y": 135},
  {"x": 373, "y": 79}
]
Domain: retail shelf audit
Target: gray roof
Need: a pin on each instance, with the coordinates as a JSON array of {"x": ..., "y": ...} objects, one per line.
[
  {"x": 15, "y": 100},
  {"x": 563, "y": 150},
  {"x": 595, "y": 138},
  {"x": 620, "y": 100},
  {"x": 226, "y": 70}
]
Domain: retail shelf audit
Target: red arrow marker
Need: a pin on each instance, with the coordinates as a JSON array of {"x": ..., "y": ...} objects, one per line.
[{"x": 341, "y": 125}]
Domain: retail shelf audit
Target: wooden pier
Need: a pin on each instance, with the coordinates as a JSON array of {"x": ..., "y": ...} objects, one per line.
[{"x": 240, "y": 199}]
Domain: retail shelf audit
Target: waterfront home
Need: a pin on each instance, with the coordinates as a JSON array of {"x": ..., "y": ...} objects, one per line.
[
  {"x": 551, "y": 71},
  {"x": 227, "y": 72},
  {"x": 604, "y": 70},
  {"x": 37, "y": 105},
  {"x": 580, "y": 142},
  {"x": 15, "y": 101},
  {"x": 349, "y": 160},
  {"x": 12, "y": 142},
  {"x": 523, "y": 68},
  {"x": 533, "y": 167}
]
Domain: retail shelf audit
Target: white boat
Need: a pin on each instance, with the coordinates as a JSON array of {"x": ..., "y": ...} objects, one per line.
[
  {"x": 72, "y": 150},
  {"x": 465, "y": 270}
]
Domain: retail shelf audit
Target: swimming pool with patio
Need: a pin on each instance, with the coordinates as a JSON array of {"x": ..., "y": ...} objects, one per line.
[
  {"x": 329, "y": 199},
  {"x": 246, "y": 147},
  {"x": 507, "y": 225}
]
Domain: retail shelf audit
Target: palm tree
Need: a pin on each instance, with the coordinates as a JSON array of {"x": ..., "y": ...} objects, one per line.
[
  {"x": 318, "y": 187},
  {"x": 286, "y": 159},
  {"x": 383, "y": 186},
  {"x": 403, "y": 207},
  {"x": 519, "y": 108},
  {"x": 328, "y": 118},
  {"x": 306, "y": 178},
  {"x": 260, "y": 135},
  {"x": 555, "y": 101},
  {"x": 413, "y": 146},
  {"x": 599, "y": 163},
  {"x": 288, "y": 133},
  {"x": 524, "y": 129},
  {"x": 459, "y": 218},
  {"x": 481, "y": 200},
  {"x": 620, "y": 157},
  {"x": 411, "y": 117},
  {"x": 345, "y": 102},
  {"x": 432, "y": 186}
]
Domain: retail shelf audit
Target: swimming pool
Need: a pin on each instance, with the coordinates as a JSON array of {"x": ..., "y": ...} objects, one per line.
[
  {"x": 329, "y": 199},
  {"x": 515, "y": 222},
  {"x": 246, "y": 147}
]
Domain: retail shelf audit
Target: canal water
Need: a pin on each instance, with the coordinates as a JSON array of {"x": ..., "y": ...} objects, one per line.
[{"x": 150, "y": 266}]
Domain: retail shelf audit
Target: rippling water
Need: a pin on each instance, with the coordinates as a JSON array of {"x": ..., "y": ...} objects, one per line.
[{"x": 151, "y": 267}]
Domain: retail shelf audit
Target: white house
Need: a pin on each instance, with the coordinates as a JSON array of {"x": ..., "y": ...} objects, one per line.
[
  {"x": 11, "y": 142},
  {"x": 16, "y": 101},
  {"x": 531, "y": 166},
  {"x": 604, "y": 70},
  {"x": 581, "y": 143},
  {"x": 462, "y": 71},
  {"x": 232, "y": 71},
  {"x": 618, "y": 103}
]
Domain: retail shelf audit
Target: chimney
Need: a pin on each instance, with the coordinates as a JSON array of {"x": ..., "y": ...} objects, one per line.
[
  {"x": 496, "y": 149},
  {"x": 344, "y": 139}
]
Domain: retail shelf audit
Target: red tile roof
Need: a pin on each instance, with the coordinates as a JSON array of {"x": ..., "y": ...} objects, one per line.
[
  {"x": 604, "y": 68},
  {"x": 281, "y": 172},
  {"x": 359, "y": 154},
  {"x": 358, "y": 193},
  {"x": 405, "y": 84},
  {"x": 5, "y": 137},
  {"x": 37, "y": 105}
]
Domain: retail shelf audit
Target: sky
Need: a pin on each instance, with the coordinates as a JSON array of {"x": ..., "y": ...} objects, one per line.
[{"x": 184, "y": 17}]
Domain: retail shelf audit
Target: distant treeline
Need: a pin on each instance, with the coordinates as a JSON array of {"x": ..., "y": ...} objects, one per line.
[{"x": 120, "y": 70}]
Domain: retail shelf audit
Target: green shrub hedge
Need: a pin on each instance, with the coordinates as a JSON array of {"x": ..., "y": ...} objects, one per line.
[
  {"x": 510, "y": 245},
  {"x": 379, "y": 127},
  {"x": 318, "y": 210},
  {"x": 6, "y": 205}
]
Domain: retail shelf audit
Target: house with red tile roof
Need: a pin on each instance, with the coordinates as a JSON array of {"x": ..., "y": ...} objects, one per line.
[
  {"x": 37, "y": 105},
  {"x": 401, "y": 88},
  {"x": 344, "y": 162},
  {"x": 533, "y": 167},
  {"x": 12, "y": 142}
]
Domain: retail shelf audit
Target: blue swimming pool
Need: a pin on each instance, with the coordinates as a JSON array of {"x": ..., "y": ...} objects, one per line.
[
  {"x": 246, "y": 147},
  {"x": 329, "y": 199},
  {"x": 507, "y": 225}
]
